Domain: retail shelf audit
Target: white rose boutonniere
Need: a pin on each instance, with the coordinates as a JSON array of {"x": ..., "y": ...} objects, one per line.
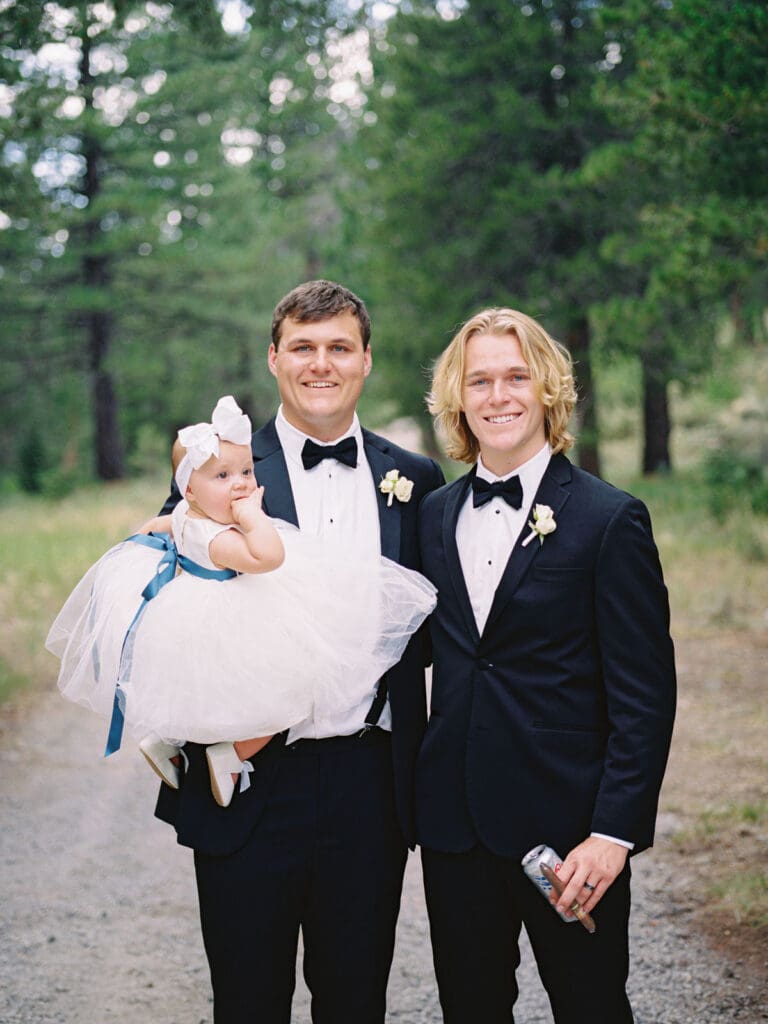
[
  {"x": 396, "y": 486},
  {"x": 542, "y": 524}
]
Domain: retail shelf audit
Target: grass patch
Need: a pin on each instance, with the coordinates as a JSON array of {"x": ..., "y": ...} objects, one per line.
[
  {"x": 736, "y": 885},
  {"x": 9, "y": 680},
  {"x": 710, "y": 823},
  {"x": 744, "y": 897},
  {"x": 45, "y": 547}
]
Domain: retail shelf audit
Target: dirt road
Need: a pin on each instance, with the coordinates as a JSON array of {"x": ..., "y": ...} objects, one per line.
[{"x": 99, "y": 919}]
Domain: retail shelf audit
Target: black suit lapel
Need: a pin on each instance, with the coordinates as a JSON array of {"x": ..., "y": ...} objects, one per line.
[
  {"x": 553, "y": 492},
  {"x": 390, "y": 516},
  {"x": 457, "y": 495},
  {"x": 272, "y": 474}
]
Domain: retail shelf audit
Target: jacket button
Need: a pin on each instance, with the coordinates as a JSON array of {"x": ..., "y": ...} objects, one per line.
[{"x": 485, "y": 664}]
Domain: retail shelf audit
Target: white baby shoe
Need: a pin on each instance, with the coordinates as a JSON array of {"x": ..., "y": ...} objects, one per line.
[
  {"x": 223, "y": 763},
  {"x": 158, "y": 755}
]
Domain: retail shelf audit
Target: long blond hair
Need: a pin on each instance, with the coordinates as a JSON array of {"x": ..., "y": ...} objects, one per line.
[{"x": 551, "y": 371}]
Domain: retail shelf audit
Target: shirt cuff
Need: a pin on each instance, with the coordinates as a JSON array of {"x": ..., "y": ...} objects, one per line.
[{"x": 613, "y": 839}]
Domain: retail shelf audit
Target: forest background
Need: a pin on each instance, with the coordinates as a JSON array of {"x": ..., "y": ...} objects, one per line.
[{"x": 169, "y": 170}]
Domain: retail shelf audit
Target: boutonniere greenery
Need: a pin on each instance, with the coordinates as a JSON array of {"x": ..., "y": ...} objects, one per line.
[
  {"x": 396, "y": 486},
  {"x": 542, "y": 524}
]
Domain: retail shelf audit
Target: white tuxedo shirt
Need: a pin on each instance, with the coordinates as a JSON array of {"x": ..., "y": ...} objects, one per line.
[
  {"x": 485, "y": 537},
  {"x": 338, "y": 504}
]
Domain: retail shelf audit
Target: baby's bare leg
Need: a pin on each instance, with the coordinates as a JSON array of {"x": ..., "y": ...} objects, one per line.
[{"x": 245, "y": 749}]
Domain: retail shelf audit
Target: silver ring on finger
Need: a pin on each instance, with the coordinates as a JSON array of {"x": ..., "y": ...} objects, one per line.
[{"x": 588, "y": 885}]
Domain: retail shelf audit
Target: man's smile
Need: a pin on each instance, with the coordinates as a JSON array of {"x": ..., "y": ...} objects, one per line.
[{"x": 506, "y": 418}]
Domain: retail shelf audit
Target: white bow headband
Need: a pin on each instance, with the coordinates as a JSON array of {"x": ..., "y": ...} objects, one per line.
[{"x": 201, "y": 440}]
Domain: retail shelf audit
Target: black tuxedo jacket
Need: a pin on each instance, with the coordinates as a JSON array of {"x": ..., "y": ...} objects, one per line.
[
  {"x": 199, "y": 821},
  {"x": 556, "y": 721}
]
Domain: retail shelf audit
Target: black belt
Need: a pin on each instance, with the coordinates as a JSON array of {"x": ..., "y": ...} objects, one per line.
[{"x": 334, "y": 744}]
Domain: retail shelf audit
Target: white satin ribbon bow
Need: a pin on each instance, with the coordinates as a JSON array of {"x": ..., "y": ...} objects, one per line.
[
  {"x": 245, "y": 771},
  {"x": 201, "y": 440}
]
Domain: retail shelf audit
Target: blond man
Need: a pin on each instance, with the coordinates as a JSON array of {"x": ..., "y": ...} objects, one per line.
[{"x": 553, "y": 689}]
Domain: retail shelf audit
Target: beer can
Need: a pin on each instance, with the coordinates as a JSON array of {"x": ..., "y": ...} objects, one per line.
[{"x": 531, "y": 862}]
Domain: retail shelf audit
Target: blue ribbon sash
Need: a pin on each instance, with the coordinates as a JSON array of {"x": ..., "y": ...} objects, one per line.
[{"x": 165, "y": 571}]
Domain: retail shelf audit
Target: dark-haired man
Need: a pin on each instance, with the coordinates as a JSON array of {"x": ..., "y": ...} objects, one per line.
[{"x": 318, "y": 842}]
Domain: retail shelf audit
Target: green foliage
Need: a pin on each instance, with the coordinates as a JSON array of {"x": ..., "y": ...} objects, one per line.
[
  {"x": 720, "y": 389},
  {"x": 160, "y": 193},
  {"x": 599, "y": 165},
  {"x": 696, "y": 105},
  {"x": 479, "y": 126},
  {"x": 736, "y": 466},
  {"x": 736, "y": 479},
  {"x": 151, "y": 452}
]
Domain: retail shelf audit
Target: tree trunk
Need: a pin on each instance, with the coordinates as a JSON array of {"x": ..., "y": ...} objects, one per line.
[
  {"x": 656, "y": 421},
  {"x": 578, "y": 340},
  {"x": 742, "y": 319},
  {"x": 98, "y": 323},
  {"x": 97, "y": 278}
]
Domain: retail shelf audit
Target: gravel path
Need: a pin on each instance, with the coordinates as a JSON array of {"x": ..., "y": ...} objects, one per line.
[{"x": 98, "y": 918}]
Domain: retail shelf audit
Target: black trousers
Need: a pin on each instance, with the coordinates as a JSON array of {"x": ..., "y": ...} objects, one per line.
[
  {"x": 477, "y": 903},
  {"x": 326, "y": 857}
]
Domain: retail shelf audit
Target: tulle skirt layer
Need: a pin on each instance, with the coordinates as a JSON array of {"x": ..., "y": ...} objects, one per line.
[{"x": 250, "y": 656}]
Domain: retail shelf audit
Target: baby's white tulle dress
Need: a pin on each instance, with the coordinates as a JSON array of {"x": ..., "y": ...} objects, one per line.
[{"x": 214, "y": 660}]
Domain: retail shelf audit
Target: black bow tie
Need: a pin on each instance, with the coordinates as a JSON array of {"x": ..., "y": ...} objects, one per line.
[
  {"x": 510, "y": 490},
  {"x": 345, "y": 451}
]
